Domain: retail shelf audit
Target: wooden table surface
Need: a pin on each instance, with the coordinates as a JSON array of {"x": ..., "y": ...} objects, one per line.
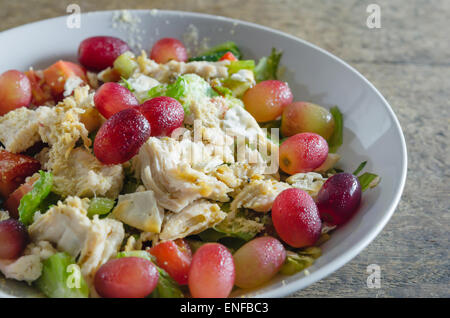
[{"x": 408, "y": 60}]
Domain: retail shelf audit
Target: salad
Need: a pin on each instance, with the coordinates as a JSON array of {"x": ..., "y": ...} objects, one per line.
[{"x": 165, "y": 175}]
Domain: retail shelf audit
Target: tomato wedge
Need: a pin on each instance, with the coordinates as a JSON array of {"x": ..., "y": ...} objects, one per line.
[
  {"x": 56, "y": 75},
  {"x": 228, "y": 57},
  {"x": 13, "y": 202},
  {"x": 175, "y": 258},
  {"x": 14, "y": 168}
]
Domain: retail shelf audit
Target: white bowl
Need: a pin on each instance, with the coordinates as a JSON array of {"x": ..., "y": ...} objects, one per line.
[{"x": 372, "y": 132}]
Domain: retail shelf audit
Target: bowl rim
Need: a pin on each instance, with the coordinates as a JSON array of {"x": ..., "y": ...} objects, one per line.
[{"x": 347, "y": 256}]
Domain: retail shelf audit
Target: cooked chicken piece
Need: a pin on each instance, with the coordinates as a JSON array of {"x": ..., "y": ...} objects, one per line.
[
  {"x": 140, "y": 210},
  {"x": 103, "y": 241},
  {"x": 83, "y": 175},
  {"x": 19, "y": 129},
  {"x": 29, "y": 266},
  {"x": 176, "y": 172},
  {"x": 65, "y": 225},
  {"x": 168, "y": 72},
  {"x": 237, "y": 174},
  {"x": 209, "y": 111},
  {"x": 68, "y": 227},
  {"x": 193, "y": 219},
  {"x": 131, "y": 244},
  {"x": 141, "y": 84},
  {"x": 258, "y": 195},
  {"x": 310, "y": 182},
  {"x": 253, "y": 146}
]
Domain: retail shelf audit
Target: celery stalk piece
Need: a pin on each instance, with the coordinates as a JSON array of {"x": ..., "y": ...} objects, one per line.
[
  {"x": 100, "y": 206},
  {"x": 125, "y": 64},
  {"x": 61, "y": 278}
]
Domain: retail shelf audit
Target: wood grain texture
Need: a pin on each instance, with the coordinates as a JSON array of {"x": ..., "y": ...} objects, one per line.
[{"x": 408, "y": 60}]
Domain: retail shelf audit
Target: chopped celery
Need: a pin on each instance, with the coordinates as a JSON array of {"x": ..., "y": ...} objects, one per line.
[
  {"x": 238, "y": 88},
  {"x": 267, "y": 67},
  {"x": 61, "y": 280},
  {"x": 30, "y": 202},
  {"x": 141, "y": 254},
  {"x": 337, "y": 138},
  {"x": 125, "y": 64},
  {"x": 100, "y": 206},
  {"x": 236, "y": 66}
]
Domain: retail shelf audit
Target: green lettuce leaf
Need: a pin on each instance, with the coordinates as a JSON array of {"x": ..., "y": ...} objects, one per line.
[
  {"x": 295, "y": 263},
  {"x": 360, "y": 168},
  {"x": 60, "y": 280},
  {"x": 368, "y": 180},
  {"x": 186, "y": 89},
  {"x": 30, "y": 202},
  {"x": 215, "y": 53},
  {"x": 267, "y": 67},
  {"x": 337, "y": 138}
]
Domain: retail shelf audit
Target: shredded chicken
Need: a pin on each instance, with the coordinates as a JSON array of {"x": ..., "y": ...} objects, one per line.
[
  {"x": 175, "y": 172},
  {"x": 310, "y": 182},
  {"x": 68, "y": 227},
  {"x": 193, "y": 219},
  {"x": 83, "y": 175},
  {"x": 19, "y": 129},
  {"x": 28, "y": 267},
  {"x": 168, "y": 72},
  {"x": 258, "y": 195}
]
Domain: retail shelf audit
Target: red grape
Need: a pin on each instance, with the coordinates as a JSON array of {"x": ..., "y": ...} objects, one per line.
[
  {"x": 165, "y": 114},
  {"x": 175, "y": 258},
  {"x": 302, "y": 117},
  {"x": 339, "y": 198},
  {"x": 15, "y": 91},
  {"x": 296, "y": 218},
  {"x": 258, "y": 261},
  {"x": 168, "y": 49},
  {"x": 303, "y": 153},
  {"x": 111, "y": 98},
  {"x": 121, "y": 137},
  {"x": 266, "y": 100},
  {"x": 99, "y": 52},
  {"x": 128, "y": 277},
  {"x": 212, "y": 272},
  {"x": 13, "y": 239}
]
